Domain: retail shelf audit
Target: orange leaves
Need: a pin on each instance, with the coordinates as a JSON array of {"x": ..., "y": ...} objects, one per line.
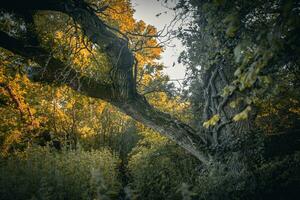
[
  {"x": 80, "y": 51},
  {"x": 13, "y": 138},
  {"x": 15, "y": 88},
  {"x": 119, "y": 14},
  {"x": 101, "y": 106},
  {"x": 167, "y": 104}
]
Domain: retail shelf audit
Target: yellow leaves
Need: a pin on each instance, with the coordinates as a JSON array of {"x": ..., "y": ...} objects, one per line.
[
  {"x": 2, "y": 76},
  {"x": 101, "y": 106},
  {"x": 86, "y": 131},
  {"x": 80, "y": 54},
  {"x": 59, "y": 34},
  {"x": 238, "y": 117},
  {"x": 33, "y": 110},
  {"x": 141, "y": 59},
  {"x": 70, "y": 104},
  {"x": 58, "y": 93},
  {"x": 35, "y": 124},
  {"x": 228, "y": 90},
  {"x": 119, "y": 14},
  {"x": 151, "y": 30},
  {"x": 173, "y": 105},
  {"x": 212, "y": 121},
  {"x": 295, "y": 110},
  {"x": 152, "y": 138},
  {"x": 242, "y": 115},
  {"x": 13, "y": 138}
]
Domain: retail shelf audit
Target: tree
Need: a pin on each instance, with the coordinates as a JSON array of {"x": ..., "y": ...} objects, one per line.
[
  {"x": 119, "y": 90},
  {"x": 234, "y": 51}
]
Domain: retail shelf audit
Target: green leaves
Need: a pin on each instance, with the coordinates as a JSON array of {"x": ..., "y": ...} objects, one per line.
[
  {"x": 233, "y": 22},
  {"x": 231, "y": 30},
  {"x": 228, "y": 90},
  {"x": 42, "y": 173}
]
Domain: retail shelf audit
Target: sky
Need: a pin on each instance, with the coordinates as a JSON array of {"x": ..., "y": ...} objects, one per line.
[{"x": 146, "y": 10}]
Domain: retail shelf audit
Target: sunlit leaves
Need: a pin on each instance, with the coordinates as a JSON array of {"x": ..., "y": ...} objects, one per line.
[
  {"x": 242, "y": 115},
  {"x": 212, "y": 121},
  {"x": 64, "y": 114}
]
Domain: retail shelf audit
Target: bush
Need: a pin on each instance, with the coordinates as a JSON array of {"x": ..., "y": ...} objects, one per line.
[
  {"x": 159, "y": 169},
  {"x": 38, "y": 173}
]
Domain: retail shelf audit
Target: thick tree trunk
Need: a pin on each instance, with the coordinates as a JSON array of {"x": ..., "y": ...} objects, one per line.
[
  {"x": 215, "y": 104},
  {"x": 122, "y": 92},
  {"x": 182, "y": 134}
]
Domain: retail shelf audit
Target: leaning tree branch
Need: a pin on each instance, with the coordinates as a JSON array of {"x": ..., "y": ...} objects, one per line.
[
  {"x": 122, "y": 92},
  {"x": 51, "y": 67}
]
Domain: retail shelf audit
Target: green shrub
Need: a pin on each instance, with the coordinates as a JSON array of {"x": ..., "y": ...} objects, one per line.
[
  {"x": 38, "y": 173},
  {"x": 159, "y": 169}
]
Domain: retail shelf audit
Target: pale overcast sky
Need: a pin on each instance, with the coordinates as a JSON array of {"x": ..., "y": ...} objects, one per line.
[{"x": 146, "y": 10}]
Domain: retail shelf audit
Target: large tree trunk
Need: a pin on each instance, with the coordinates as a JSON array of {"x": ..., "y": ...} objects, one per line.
[{"x": 121, "y": 92}]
